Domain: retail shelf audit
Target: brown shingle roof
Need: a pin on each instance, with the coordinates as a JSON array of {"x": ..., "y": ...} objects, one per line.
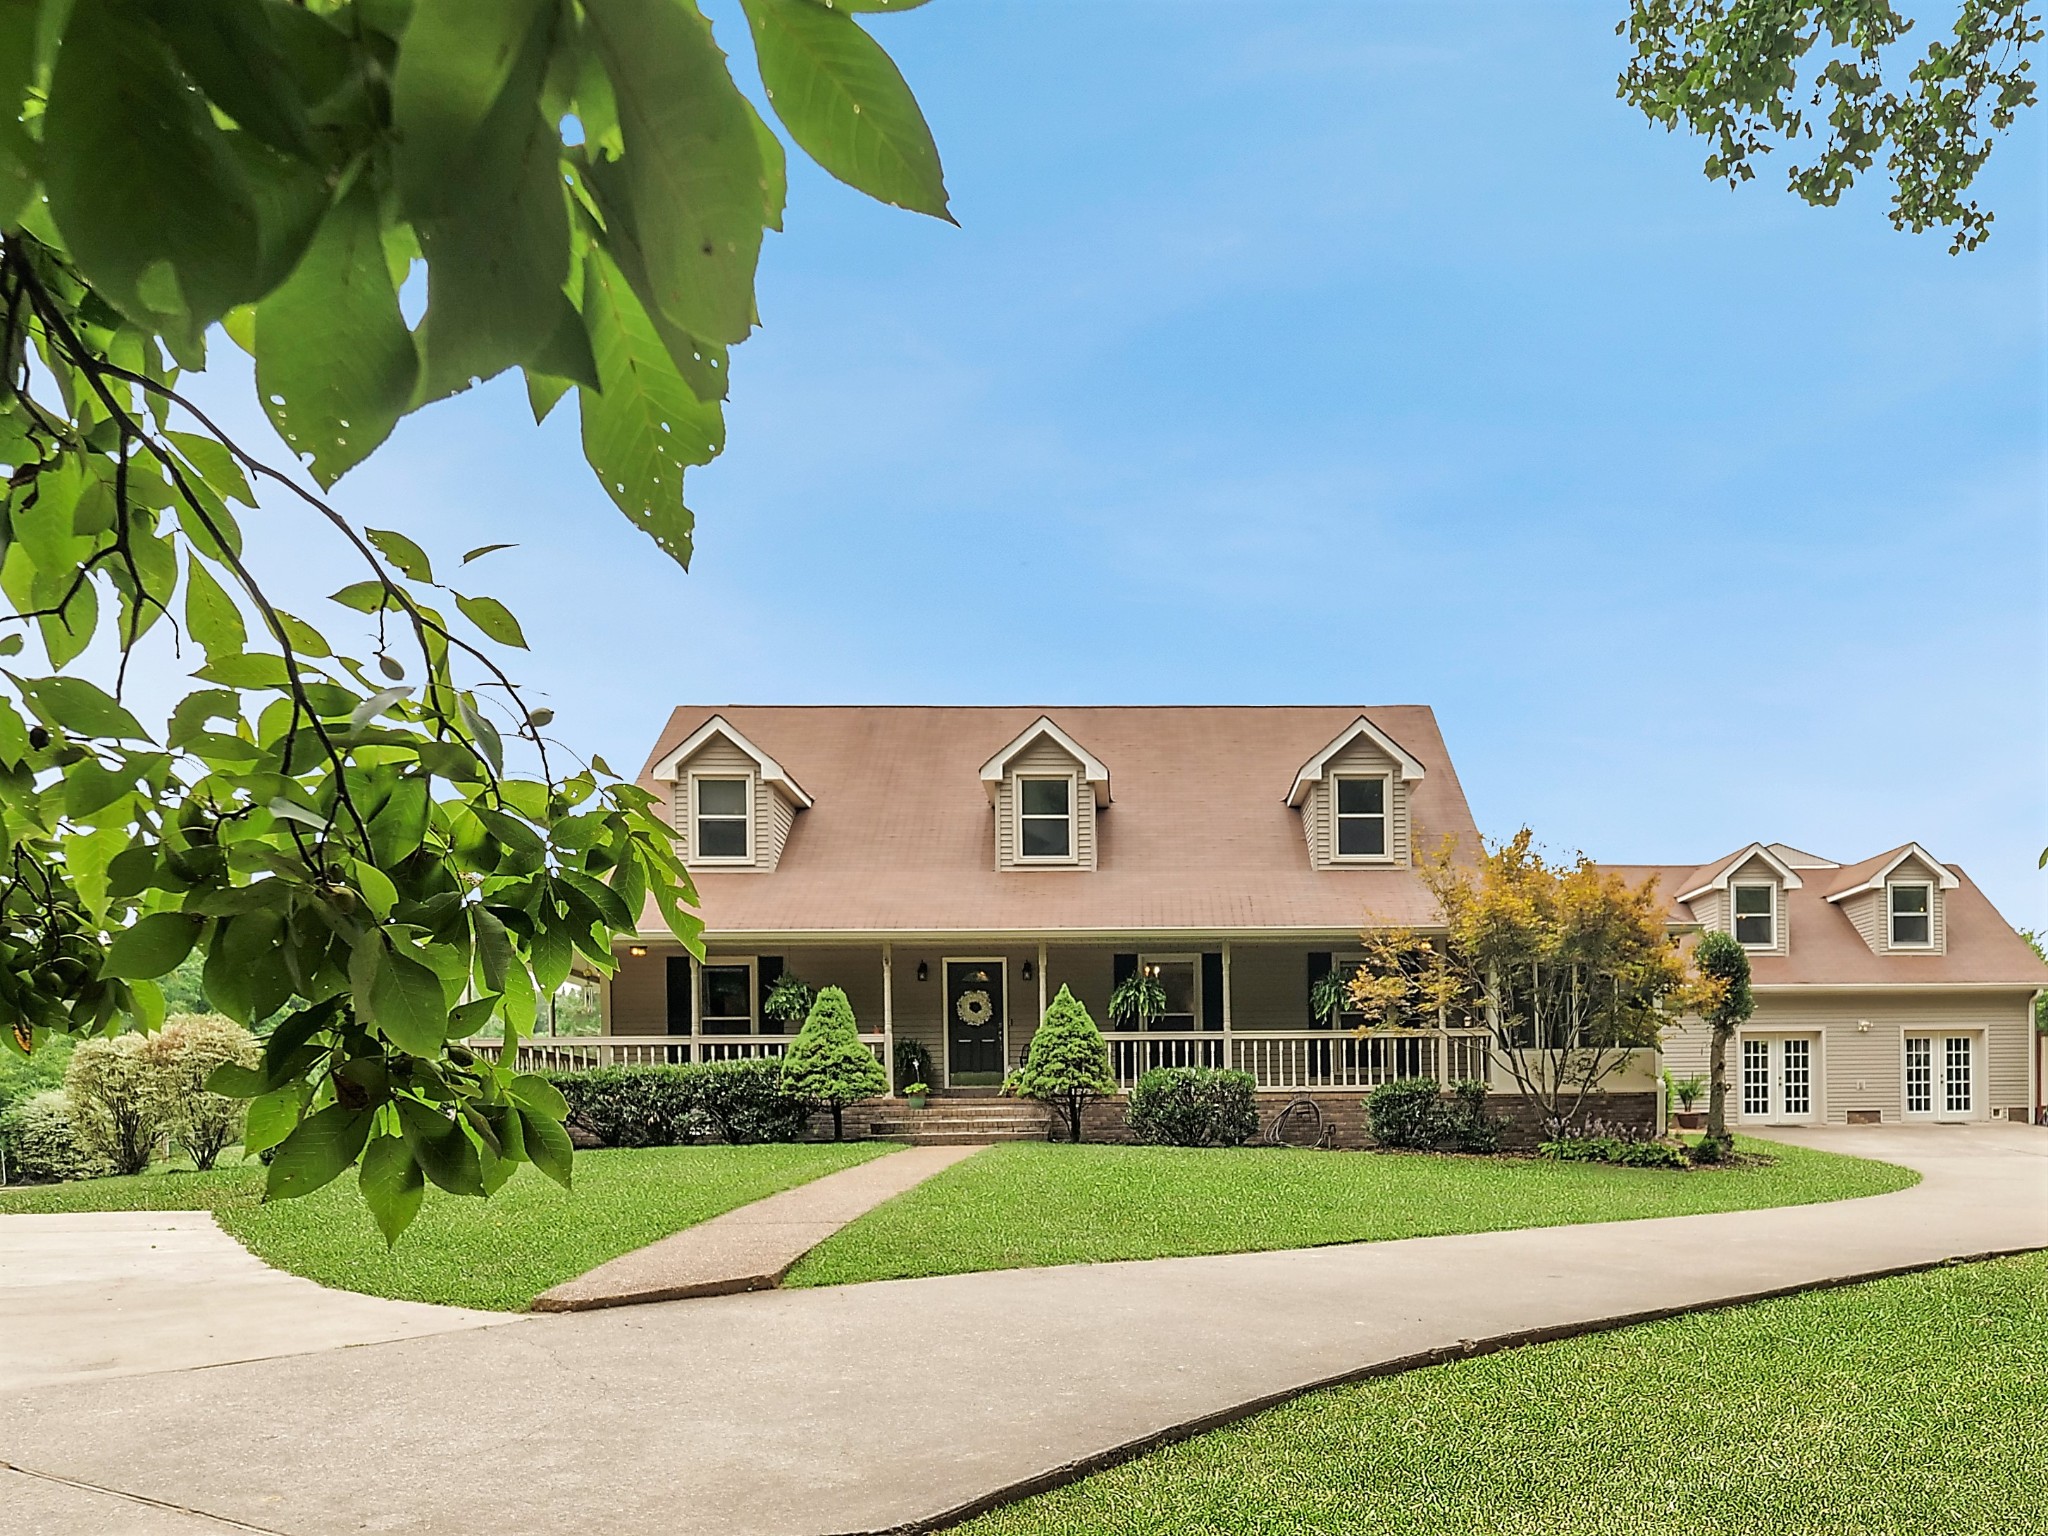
[{"x": 901, "y": 837}]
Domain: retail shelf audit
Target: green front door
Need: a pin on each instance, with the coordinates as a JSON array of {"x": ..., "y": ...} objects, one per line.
[{"x": 974, "y": 1023}]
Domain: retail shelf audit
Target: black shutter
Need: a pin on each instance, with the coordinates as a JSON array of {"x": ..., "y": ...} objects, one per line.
[
  {"x": 767, "y": 971},
  {"x": 680, "y": 994},
  {"x": 1212, "y": 989},
  {"x": 1121, "y": 969},
  {"x": 1320, "y": 964}
]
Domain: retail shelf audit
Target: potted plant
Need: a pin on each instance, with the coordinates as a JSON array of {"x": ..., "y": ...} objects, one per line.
[
  {"x": 788, "y": 1002},
  {"x": 1687, "y": 1090},
  {"x": 916, "y": 1093},
  {"x": 1138, "y": 999}
]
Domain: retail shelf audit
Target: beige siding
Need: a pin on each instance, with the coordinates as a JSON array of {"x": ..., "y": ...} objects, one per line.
[
  {"x": 1864, "y": 1069},
  {"x": 639, "y": 994},
  {"x": 1865, "y": 914},
  {"x": 774, "y": 814},
  {"x": 1043, "y": 758},
  {"x": 1711, "y": 909},
  {"x": 1318, "y": 820}
]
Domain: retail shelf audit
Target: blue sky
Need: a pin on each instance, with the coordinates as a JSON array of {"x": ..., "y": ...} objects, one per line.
[{"x": 1359, "y": 352}]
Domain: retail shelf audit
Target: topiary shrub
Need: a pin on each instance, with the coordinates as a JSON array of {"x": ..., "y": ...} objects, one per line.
[
  {"x": 744, "y": 1102},
  {"x": 180, "y": 1057},
  {"x": 652, "y": 1106},
  {"x": 37, "y": 1143},
  {"x": 1068, "y": 1064},
  {"x": 114, "y": 1105},
  {"x": 1194, "y": 1107},
  {"x": 827, "y": 1066},
  {"x": 1408, "y": 1113}
]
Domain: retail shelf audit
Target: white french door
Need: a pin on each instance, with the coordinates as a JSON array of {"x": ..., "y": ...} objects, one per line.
[
  {"x": 1777, "y": 1079},
  {"x": 1941, "y": 1077}
]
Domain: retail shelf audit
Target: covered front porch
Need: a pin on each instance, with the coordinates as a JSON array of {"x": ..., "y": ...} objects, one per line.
[{"x": 971, "y": 1003}]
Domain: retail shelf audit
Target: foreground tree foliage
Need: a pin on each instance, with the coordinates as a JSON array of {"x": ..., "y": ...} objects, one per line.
[
  {"x": 386, "y": 845},
  {"x": 1839, "y": 78},
  {"x": 1570, "y": 968},
  {"x": 1724, "y": 1002}
]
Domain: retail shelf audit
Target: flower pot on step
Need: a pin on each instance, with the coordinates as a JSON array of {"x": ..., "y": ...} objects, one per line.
[
  {"x": 915, "y": 1101},
  {"x": 1689, "y": 1119}
]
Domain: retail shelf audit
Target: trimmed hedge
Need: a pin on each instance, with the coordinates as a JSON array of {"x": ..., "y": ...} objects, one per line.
[
  {"x": 731, "y": 1101},
  {"x": 1194, "y": 1107},
  {"x": 36, "y": 1135}
]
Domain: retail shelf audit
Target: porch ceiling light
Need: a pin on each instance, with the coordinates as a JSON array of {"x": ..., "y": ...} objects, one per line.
[{"x": 636, "y": 950}]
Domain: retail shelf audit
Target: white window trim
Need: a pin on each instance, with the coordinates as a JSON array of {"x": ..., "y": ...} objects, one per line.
[
  {"x": 1194, "y": 962},
  {"x": 753, "y": 966},
  {"x": 1776, "y": 915},
  {"x": 1017, "y": 853},
  {"x": 1386, "y": 855},
  {"x": 695, "y": 833},
  {"x": 1891, "y": 930}
]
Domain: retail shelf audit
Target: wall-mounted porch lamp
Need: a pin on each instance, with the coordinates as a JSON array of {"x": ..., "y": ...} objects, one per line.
[
  {"x": 923, "y": 971},
  {"x": 1027, "y": 970}
]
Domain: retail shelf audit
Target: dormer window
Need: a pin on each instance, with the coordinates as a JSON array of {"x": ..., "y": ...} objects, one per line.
[
  {"x": 1045, "y": 818},
  {"x": 723, "y": 821},
  {"x": 1361, "y": 817},
  {"x": 1756, "y": 916},
  {"x": 1912, "y": 914}
]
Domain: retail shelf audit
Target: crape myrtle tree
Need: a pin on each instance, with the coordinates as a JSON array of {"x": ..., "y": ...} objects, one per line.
[
  {"x": 377, "y": 840},
  {"x": 1724, "y": 1001},
  {"x": 827, "y": 1065},
  {"x": 1067, "y": 1066},
  {"x": 1569, "y": 967},
  {"x": 1839, "y": 84}
]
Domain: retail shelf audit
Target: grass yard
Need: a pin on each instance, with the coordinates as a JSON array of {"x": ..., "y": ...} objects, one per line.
[
  {"x": 1909, "y": 1405},
  {"x": 1030, "y": 1203},
  {"x": 498, "y": 1253}
]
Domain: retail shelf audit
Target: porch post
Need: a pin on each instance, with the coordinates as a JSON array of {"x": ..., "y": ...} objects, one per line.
[
  {"x": 1041, "y": 986},
  {"x": 1443, "y": 1047},
  {"x": 1229, "y": 1059},
  {"x": 889, "y": 1014}
]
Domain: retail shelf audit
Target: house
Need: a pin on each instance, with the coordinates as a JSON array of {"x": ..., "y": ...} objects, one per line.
[{"x": 952, "y": 868}]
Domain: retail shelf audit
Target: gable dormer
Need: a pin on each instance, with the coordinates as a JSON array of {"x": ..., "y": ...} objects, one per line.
[
  {"x": 732, "y": 805},
  {"x": 1046, "y": 789},
  {"x": 1353, "y": 798},
  {"x": 1744, "y": 895},
  {"x": 1896, "y": 901}
]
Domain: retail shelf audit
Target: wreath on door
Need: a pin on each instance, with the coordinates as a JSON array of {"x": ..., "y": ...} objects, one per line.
[{"x": 974, "y": 1008}]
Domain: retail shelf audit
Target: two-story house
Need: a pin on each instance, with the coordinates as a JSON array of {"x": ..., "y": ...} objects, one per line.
[{"x": 951, "y": 868}]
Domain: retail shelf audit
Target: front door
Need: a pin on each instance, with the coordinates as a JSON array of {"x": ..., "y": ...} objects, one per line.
[
  {"x": 1777, "y": 1079},
  {"x": 1941, "y": 1077},
  {"x": 974, "y": 1023}
]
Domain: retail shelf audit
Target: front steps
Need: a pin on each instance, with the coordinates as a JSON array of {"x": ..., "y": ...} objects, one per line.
[{"x": 957, "y": 1122}]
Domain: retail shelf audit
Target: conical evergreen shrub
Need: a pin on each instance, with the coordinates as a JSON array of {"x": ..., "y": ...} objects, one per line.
[
  {"x": 827, "y": 1065},
  {"x": 1068, "y": 1063}
]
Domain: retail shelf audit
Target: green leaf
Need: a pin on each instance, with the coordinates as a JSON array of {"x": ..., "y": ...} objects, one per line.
[
  {"x": 410, "y": 559},
  {"x": 543, "y": 394},
  {"x": 454, "y": 64},
  {"x": 154, "y": 201},
  {"x": 153, "y": 946},
  {"x": 232, "y": 1080},
  {"x": 692, "y": 168},
  {"x": 446, "y": 1154},
  {"x": 485, "y": 549},
  {"x": 335, "y": 364},
  {"x": 245, "y": 669},
  {"x": 647, "y": 424},
  {"x": 540, "y": 1096},
  {"x": 392, "y": 1185},
  {"x": 364, "y": 596},
  {"x": 774, "y": 171},
  {"x": 548, "y": 1146},
  {"x": 77, "y": 706},
  {"x": 493, "y": 618},
  {"x": 210, "y": 614},
  {"x": 18, "y": 154},
  {"x": 400, "y": 996},
  {"x": 218, "y": 467},
  {"x": 843, "y": 99},
  {"x": 271, "y": 1117},
  {"x": 317, "y": 1151},
  {"x": 870, "y": 5},
  {"x": 496, "y": 232},
  {"x": 230, "y": 50}
]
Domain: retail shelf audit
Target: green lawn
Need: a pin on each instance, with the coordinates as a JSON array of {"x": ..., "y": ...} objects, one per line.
[
  {"x": 1028, "y": 1203},
  {"x": 1909, "y": 1405},
  {"x": 498, "y": 1253}
]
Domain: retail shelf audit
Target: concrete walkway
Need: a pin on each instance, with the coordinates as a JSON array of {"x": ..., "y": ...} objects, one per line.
[
  {"x": 899, "y": 1405},
  {"x": 752, "y": 1248},
  {"x": 120, "y": 1293}
]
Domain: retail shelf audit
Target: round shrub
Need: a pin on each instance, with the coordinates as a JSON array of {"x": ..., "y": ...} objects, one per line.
[
  {"x": 36, "y": 1139},
  {"x": 1408, "y": 1112},
  {"x": 1194, "y": 1107},
  {"x": 181, "y": 1056},
  {"x": 115, "y": 1110}
]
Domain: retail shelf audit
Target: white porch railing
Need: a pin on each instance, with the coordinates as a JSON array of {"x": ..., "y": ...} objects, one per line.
[
  {"x": 578, "y": 1053},
  {"x": 1281, "y": 1060}
]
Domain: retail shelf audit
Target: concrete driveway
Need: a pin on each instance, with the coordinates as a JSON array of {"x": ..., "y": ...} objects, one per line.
[{"x": 901, "y": 1404}]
